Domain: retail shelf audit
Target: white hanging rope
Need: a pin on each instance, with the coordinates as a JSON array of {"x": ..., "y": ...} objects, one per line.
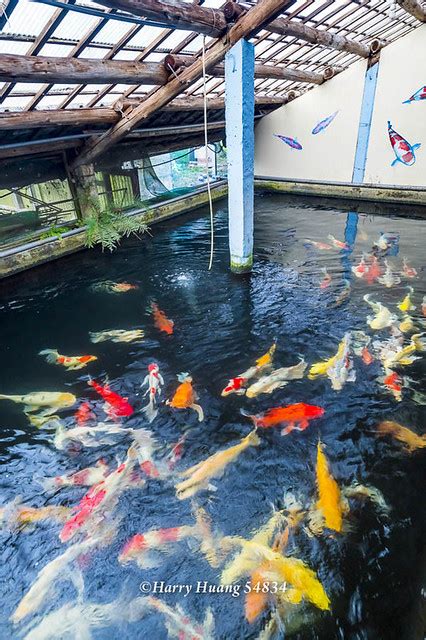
[{"x": 207, "y": 156}]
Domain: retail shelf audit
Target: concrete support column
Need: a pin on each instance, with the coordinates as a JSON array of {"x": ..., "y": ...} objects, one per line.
[
  {"x": 364, "y": 127},
  {"x": 239, "y": 115}
]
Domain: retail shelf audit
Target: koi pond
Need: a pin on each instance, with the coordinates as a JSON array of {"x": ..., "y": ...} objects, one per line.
[{"x": 197, "y": 455}]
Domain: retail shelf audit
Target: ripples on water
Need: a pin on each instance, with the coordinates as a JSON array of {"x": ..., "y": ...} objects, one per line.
[{"x": 374, "y": 573}]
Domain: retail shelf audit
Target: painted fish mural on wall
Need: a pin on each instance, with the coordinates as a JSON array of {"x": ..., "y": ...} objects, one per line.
[
  {"x": 323, "y": 124},
  {"x": 292, "y": 142},
  {"x": 419, "y": 95},
  {"x": 403, "y": 150}
]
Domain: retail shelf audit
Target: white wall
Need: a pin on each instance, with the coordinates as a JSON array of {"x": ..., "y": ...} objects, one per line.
[
  {"x": 329, "y": 155},
  {"x": 402, "y": 72}
]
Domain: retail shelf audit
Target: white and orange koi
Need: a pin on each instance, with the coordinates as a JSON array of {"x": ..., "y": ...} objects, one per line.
[
  {"x": 393, "y": 383},
  {"x": 72, "y": 363},
  {"x": 146, "y": 548},
  {"x": 338, "y": 244},
  {"x": 322, "y": 246},
  {"x": 239, "y": 383},
  {"x": 84, "y": 478},
  {"x": 154, "y": 380},
  {"x": 326, "y": 281},
  {"x": 114, "y": 287},
  {"x": 360, "y": 269}
]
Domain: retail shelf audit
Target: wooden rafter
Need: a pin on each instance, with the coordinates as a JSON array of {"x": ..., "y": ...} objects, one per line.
[
  {"x": 250, "y": 22},
  {"x": 415, "y": 8}
]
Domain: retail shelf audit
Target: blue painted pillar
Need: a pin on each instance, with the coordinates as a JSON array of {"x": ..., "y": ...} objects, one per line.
[
  {"x": 364, "y": 128},
  {"x": 239, "y": 115}
]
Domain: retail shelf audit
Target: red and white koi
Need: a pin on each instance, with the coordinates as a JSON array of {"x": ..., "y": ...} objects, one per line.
[
  {"x": 101, "y": 498},
  {"x": 394, "y": 383},
  {"x": 154, "y": 380},
  {"x": 338, "y": 244},
  {"x": 72, "y": 363},
  {"x": 238, "y": 384},
  {"x": 145, "y": 549},
  {"x": 83, "y": 478},
  {"x": 407, "y": 271},
  {"x": 176, "y": 453},
  {"x": 403, "y": 150},
  {"x": 360, "y": 269}
]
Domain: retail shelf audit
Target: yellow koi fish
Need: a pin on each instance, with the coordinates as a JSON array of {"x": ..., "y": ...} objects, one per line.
[
  {"x": 117, "y": 335},
  {"x": 198, "y": 477},
  {"x": 406, "y": 305},
  {"x": 52, "y": 400},
  {"x": 329, "y": 505},
  {"x": 407, "y": 325},
  {"x": 339, "y": 368}
]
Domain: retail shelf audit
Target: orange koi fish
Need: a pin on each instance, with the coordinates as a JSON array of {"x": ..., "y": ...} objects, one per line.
[
  {"x": 84, "y": 414},
  {"x": 374, "y": 271},
  {"x": 297, "y": 416},
  {"x": 366, "y": 356},
  {"x": 407, "y": 271},
  {"x": 122, "y": 287},
  {"x": 239, "y": 383},
  {"x": 410, "y": 440},
  {"x": 185, "y": 396},
  {"x": 72, "y": 363},
  {"x": 326, "y": 281},
  {"x": 161, "y": 321},
  {"x": 329, "y": 504}
]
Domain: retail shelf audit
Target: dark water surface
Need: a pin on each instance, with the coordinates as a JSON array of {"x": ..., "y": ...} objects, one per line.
[{"x": 374, "y": 573}]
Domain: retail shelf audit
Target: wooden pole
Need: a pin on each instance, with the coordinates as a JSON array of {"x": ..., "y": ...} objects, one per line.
[
  {"x": 415, "y": 8},
  {"x": 180, "y": 15},
  {"x": 84, "y": 178},
  {"x": 103, "y": 116},
  {"x": 247, "y": 24},
  {"x": 14, "y": 68}
]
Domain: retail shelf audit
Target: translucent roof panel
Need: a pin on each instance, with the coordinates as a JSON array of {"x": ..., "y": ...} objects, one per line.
[{"x": 34, "y": 28}]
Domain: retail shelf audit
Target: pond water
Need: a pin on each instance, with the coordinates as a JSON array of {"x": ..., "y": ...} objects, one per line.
[{"x": 372, "y": 571}]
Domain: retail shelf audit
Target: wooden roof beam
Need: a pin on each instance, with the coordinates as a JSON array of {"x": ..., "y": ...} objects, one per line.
[
  {"x": 247, "y": 24},
  {"x": 179, "y": 15},
  {"x": 20, "y": 120},
  {"x": 268, "y": 71},
  {"x": 415, "y": 8},
  {"x": 326, "y": 38},
  {"x": 15, "y": 68}
]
